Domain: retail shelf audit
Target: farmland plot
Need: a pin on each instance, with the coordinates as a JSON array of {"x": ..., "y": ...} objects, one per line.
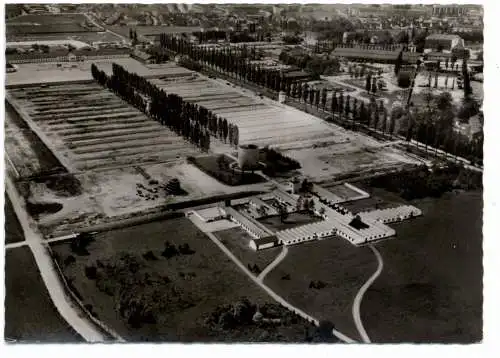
[
  {"x": 322, "y": 148},
  {"x": 95, "y": 129}
]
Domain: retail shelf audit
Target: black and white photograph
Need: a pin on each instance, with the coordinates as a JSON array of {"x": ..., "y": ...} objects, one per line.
[{"x": 243, "y": 173}]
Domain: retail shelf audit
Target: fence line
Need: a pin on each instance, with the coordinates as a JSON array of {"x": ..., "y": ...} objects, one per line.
[{"x": 75, "y": 298}]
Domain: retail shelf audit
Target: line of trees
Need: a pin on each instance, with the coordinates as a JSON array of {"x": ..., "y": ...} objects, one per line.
[
  {"x": 348, "y": 109},
  {"x": 234, "y": 62},
  {"x": 192, "y": 121},
  {"x": 432, "y": 125}
]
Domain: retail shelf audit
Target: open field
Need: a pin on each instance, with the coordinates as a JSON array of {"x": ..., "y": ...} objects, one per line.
[
  {"x": 190, "y": 277},
  {"x": 379, "y": 199},
  {"x": 430, "y": 290},
  {"x": 237, "y": 240},
  {"x": 30, "y": 315},
  {"x": 152, "y": 31},
  {"x": 341, "y": 266},
  {"x": 45, "y": 23},
  {"x": 95, "y": 129},
  {"x": 113, "y": 194},
  {"x": 327, "y": 162},
  {"x": 86, "y": 37},
  {"x": 28, "y": 73},
  {"x": 275, "y": 223}
]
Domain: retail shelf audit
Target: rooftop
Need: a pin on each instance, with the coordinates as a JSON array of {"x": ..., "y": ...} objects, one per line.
[
  {"x": 367, "y": 53},
  {"x": 442, "y": 37}
]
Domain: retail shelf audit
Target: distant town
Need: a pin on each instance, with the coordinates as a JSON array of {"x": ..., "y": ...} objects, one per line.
[{"x": 234, "y": 173}]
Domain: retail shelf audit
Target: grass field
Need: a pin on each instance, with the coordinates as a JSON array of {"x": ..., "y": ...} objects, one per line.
[
  {"x": 30, "y": 315},
  {"x": 206, "y": 279},
  {"x": 13, "y": 229},
  {"x": 45, "y": 23},
  {"x": 343, "y": 267},
  {"x": 293, "y": 220},
  {"x": 431, "y": 287},
  {"x": 237, "y": 240}
]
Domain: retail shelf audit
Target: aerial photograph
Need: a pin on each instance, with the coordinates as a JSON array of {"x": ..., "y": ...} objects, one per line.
[{"x": 243, "y": 173}]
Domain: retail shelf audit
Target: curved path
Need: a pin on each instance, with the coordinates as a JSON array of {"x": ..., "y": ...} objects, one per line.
[
  {"x": 273, "y": 264},
  {"x": 342, "y": 337},
  {"x": 56, "y": 290},
  {"x": 359, "y": 296}
]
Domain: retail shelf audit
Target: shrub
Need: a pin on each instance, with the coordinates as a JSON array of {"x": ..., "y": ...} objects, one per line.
[
  {"x": 286, "y": 277},
  {"x": 185, "y": 249},
  {"x": 91, "y": 272},
  {"x": 169, "y": 251},
  {"x": 149, "y": 256}
]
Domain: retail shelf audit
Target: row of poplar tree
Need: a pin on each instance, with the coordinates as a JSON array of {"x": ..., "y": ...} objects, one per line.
[{"x": 194, "y": 122}]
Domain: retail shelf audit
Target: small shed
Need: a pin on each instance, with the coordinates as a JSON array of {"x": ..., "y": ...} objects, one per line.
[{"x": 263, "y": 243}]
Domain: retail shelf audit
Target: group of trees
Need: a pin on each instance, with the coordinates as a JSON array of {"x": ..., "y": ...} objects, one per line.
[
  {"x": 432, "y": 124},
  {"x": 372, "y": 84},
  {"x": 348, "y": 109},
  {"x": 277, "y": 162},
  {"x": 421, "y": 182},
  {"x": 315, "y": 65},
  {"x": 260, "y": 323},
  {"x": 210, "y": 35},
  {"x": 313, "y": 96},
  {"x": 132, "y": 35},
  {"x": 305, "y": 204},
  {"x": 357, "y": 71}
]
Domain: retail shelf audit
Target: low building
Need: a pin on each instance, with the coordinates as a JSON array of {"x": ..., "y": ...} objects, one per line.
[
  {"x": 142, "y": 56},
  {"x": 297, "y": 75},
  {"x": 264, "y": 243},
  {"x": 251, "y": 226},
  {"x": 294, "y": 185},
  {"x": 367, "y": 54}
]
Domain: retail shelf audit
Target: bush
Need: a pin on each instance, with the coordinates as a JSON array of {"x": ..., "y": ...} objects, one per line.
[
  {"x": 318, "y": 285},
  {"x": 64, "y": 185},
  {"x": 169, "y": 251},
  {"x": 404, "y": 79},
  {"x": 185, "y": 249},
  {"x": 80, "y": 243},
  {"x": 91, "y": 272},
  {"x": 36, "y": 209},
  {"x": 149, "y": 256}
]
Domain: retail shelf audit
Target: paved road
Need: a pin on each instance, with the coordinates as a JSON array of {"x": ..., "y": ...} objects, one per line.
[
  {"x": 359, "y": 296},
  {"x": 56, "y": 290},
  {"x": 270, "y": 292},
  {"x": 15, "y": 244},
  {"x": 273, "y": 264}
]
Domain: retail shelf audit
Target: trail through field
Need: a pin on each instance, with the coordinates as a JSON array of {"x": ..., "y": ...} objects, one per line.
[{"x": 359, "y": 296}]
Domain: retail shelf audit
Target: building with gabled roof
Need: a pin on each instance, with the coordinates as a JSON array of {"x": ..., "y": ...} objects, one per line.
[{"x": 442, "y": 42}]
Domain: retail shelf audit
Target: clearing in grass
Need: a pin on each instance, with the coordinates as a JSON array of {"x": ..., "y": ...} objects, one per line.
[{"x": 322, "y": 278}]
